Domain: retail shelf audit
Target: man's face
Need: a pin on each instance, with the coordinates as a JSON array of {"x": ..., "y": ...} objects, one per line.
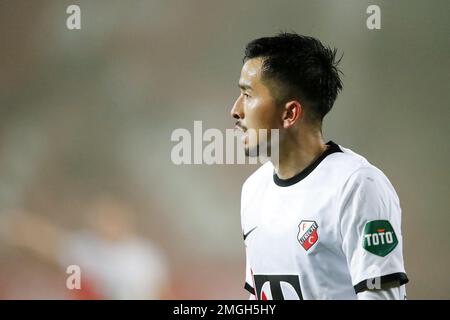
[{"x": 254, "y": 108}]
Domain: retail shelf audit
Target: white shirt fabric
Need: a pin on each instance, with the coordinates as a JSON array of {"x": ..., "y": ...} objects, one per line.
[{"x": 331, "y": 232}]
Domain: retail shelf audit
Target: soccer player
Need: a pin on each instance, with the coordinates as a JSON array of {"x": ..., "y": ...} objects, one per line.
[{"x": 321, "y": 222}]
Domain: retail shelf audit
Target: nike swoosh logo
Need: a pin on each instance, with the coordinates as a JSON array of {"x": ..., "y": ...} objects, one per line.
[{"x": 246, "y": 234}]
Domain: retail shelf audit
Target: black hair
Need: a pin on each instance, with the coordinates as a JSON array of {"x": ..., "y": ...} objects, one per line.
[{"x": 299, "y": 67}]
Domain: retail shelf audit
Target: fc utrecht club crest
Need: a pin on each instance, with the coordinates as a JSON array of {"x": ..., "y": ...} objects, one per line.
[{"x": 307, "y": 234}]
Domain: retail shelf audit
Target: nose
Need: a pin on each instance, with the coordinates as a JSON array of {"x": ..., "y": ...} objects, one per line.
[{"x": 237, "y": 111}]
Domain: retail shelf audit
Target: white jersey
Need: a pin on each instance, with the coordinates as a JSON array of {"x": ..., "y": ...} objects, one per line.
[{"x": 330, "y": 232}]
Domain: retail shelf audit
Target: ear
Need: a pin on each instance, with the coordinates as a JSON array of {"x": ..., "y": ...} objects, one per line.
[{"x": 293, "y": 112}]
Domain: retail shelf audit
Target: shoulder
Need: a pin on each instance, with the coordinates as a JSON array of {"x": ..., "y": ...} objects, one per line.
[
  {"x": 364, "y": 174},
  {"x": 348, "y": 167},
  {"x": 348, "y": 172},
  {"x": 362, "y": 183},
  {"x": 346, "y": 162}
]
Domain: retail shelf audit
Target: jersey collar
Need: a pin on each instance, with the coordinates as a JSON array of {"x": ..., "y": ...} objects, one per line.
[{"x": 332, "y": 148}]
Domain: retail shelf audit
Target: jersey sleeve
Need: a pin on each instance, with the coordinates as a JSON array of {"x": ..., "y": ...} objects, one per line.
[
  {"x": 395, "y": 293},
  {"x": 370, "y": 226}
]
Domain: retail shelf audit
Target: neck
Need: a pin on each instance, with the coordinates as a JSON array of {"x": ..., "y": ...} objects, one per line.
[{"x": 298, "y": 151}]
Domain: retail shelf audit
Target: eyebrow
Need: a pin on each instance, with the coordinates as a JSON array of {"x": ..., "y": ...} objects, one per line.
[{"x": 244, "y": 86}]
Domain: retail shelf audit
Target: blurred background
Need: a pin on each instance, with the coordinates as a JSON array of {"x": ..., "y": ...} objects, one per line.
[{"x": 86, "y": 118}]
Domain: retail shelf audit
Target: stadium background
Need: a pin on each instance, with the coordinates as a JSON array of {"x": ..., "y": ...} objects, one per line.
[{"x": 90, "y": 112}]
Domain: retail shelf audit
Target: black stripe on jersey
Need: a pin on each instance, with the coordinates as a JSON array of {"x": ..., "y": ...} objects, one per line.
[
  {"x": 332, "y": 148},
  {"x": 249, "y": 288},
  {"x": 399, "y": 277}
]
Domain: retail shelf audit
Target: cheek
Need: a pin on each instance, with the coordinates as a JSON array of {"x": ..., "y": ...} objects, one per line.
[
  {"x": 262, "y": 113},
  {"x": 252, "y": 104}
]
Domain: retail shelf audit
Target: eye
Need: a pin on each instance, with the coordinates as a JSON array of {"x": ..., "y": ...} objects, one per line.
[{"x": 246, "y": 95}]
